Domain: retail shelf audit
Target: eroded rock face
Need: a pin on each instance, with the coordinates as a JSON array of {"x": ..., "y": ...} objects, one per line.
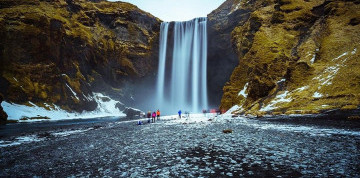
[
  {"x": 222, "y": 58},
  {"x": 59, "y": 52},
  {"x": 294, "y": 56},
  {"x": 3, "y": 115}
]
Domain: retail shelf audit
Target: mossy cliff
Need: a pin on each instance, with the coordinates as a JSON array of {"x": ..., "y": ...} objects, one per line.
[
  {"x": 294, "y": 56},
  {"x": 59, "y": 52}
]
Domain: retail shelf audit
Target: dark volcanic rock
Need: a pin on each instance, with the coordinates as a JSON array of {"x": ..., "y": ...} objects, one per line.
[
  {"x": 222, "y": 58},
  {"x": 294, "y": 57},
  {"x": 60, "y": 52},
  {"x": 3, "y": 115},
  {"x": 132, "y": 113}
]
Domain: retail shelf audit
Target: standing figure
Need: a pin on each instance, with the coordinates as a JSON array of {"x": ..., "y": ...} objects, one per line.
[
  {"x": 158, "y": 114},
  {"x": 179, "y": 112},
  {"x": 153, "y": 117},
  {"x": 149, "y": 116}
]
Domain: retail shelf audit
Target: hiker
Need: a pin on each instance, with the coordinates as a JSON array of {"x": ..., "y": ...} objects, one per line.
[
  {"x": 149, "y": 116},
  {"x": 187, "y": 114},
  {"x": 153, "y": 116},
  {"x": 179, "y": 112},
  {"x": 158, "y": 114}
]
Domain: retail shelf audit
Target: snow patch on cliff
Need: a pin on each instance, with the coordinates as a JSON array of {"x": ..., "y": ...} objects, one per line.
[
  {"x": 242, "y": 92},
  {"x": 282, "y": 98},
  {"x": 105, "y": 109}
]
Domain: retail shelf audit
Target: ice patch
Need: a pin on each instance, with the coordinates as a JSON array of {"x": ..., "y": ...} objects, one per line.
[
  {"x": 242, "y": 92},
  {"x": 72, "y": 91},
  {"x": 20, "y": 140}
]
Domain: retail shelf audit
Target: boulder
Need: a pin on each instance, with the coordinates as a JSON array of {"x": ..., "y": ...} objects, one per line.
[
  {"x": 3, "y": 115},
  {"x": 120, "y": 106},
  {"x": 132, "y": 112}
]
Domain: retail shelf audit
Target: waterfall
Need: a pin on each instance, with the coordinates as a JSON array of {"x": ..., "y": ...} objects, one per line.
[{"x": 183, "y": 84}]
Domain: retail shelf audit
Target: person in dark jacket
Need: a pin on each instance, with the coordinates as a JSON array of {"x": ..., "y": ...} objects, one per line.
[
  {"x": 148, "y": 116},
  {"x": 179, "y": 112}
]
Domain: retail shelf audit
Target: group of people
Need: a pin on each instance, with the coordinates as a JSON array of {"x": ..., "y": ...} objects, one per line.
[{"x": 153, "y": 116}]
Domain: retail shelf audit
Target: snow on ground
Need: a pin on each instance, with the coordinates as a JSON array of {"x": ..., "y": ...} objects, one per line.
[
  {"x": 312, "y": 60},
  {"x": 20, "y": 140},
  {"x": 302, "y": 88},
  {"x": 236, "y": 7},
  {"x": 72, "y": 91},
  {"x": 242, "y": 92},
  {"x": 317, "y": 95},
  {"x": 232, "y": 109},
  {"x": 104, "y": 109},
  {"x": 282, "y": 98}
]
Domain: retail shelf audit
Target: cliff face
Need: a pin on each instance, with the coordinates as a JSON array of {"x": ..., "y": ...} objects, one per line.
[
  {"x": 59, "y": 52},
  {"x": 295, "y": 56},
  {"x": 222, "y": 58}
]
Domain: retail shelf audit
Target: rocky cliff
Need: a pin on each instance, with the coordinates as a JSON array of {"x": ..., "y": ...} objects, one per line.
[
  {"x": 294, "y": 56},
  {"x": 60, "y": 52}
]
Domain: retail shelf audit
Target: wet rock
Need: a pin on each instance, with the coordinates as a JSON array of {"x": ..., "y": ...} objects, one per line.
[
  {"x": 3, "y": 115},
  {"x": 120, "y": 106},
  {"x": 132, "y": 112},
  {"x": 111, "y": 44},
  {"x": 227, "y": 131}
]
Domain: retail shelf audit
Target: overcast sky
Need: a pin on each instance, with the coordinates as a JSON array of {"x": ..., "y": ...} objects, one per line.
[{"x": 177, "y": 10}]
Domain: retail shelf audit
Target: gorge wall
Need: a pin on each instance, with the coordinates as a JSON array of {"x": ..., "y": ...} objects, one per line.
[
  {"x": 294, "y": 56},
  {"x": 60, "y": 52}
]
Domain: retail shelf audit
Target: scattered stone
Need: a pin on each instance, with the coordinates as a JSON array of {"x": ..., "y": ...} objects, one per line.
[{"x": 226, "y": 131}]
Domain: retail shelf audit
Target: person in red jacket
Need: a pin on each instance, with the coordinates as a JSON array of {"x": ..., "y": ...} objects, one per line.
[{"x": 158, "y": 114}]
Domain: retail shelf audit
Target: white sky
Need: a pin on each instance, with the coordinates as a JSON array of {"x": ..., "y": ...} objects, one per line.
[{"x": 176, "y": 10}]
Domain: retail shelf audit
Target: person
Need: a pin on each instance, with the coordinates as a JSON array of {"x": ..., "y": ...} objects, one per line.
[
  {"x": 139, "y": 123},
  {"x": 179, "y": 112},
  {"x": 153, "y": 116},
  {"x": 158, "y": 114},
  {"x": 149, "y": 116},
  {"x": 187, "y": 113}
]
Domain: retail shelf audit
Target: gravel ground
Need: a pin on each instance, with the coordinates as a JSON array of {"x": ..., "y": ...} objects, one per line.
[{"x": 176, "y": 148}]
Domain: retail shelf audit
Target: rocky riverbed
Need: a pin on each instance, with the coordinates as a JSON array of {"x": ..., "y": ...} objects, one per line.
[{"x": 186, "y": 147}]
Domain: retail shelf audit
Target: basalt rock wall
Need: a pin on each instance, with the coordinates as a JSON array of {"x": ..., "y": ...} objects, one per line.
[
  {"x": 294, "y": 56},
  {"x": 60, "y": 52}
]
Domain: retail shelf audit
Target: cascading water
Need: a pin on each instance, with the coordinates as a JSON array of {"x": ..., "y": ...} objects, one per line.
[{"x": 183, "y": 85}]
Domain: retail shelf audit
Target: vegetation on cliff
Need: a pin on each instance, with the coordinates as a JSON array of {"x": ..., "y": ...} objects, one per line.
[
  {"x": 59, "y": 52},
  {"x": 295, "y": 56}
]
